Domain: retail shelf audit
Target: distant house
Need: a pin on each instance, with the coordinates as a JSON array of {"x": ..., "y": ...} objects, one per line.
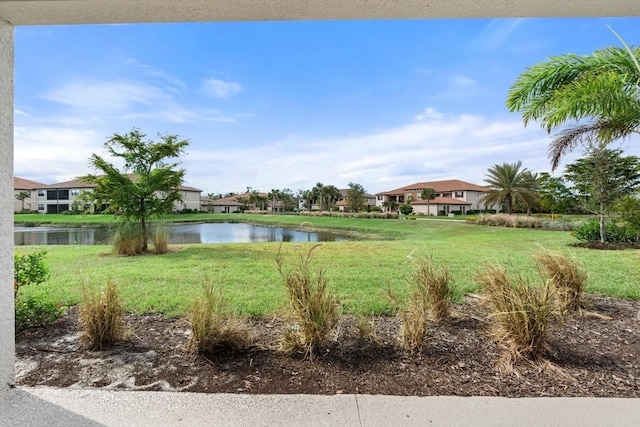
[
  {"x": 237, "y": 203},
  {"x": 224, "y": 205},
  {"x": 369, "y": 200},
  {"x": 24, "y": 185},
  {"x": 60, "y": 197},
  {"x": 452, "y": 196}
]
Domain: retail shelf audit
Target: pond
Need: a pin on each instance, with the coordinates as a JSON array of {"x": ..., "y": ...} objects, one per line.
[{"x": 180, "y": 234}]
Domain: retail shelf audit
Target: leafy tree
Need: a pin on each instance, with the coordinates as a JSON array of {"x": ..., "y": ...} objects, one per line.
[
  {"x": 555, "y": 196},
  {"x": 149, "y": 184},
  {"x": 288, "y": 200},
  {"x": 603, "y": 178},
  {"x": 23, "y": 195},
  {"x": 628, "y": 208},
  {"x": 428, "y": 194},
  {"x": 355, "y": 197},
  {"x": 507, "y": 183},
  {"x": 598, "y": 95}
]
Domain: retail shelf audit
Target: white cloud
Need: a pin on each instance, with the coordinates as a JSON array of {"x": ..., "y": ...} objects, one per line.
[
  {"x": 53, "y": 154},
  {"x": 443, "y": 147},
  {"x": 106, "y": 96},
  {"x": 217, "y": 88}
]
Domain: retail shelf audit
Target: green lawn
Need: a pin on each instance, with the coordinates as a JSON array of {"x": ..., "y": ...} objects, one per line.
[{"x": 359, "y": 271}]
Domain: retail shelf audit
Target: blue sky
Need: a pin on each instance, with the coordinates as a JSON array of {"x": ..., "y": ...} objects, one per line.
[{"x": 288, "y": 104}]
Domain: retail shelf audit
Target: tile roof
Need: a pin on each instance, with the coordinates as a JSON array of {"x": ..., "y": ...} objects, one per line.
[
  {"x": 25, "y": 184},
  {"x": 80, "y": 183},
  {"x": 439, "y": 187}
]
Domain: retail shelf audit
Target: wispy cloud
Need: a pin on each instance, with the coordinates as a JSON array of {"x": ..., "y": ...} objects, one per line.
[
  {"x": 217, "y": 88},
  {"x": 437, "y": 147},
  {"x": 494, "y": 34},
  {"x": 128, "y": 100}
]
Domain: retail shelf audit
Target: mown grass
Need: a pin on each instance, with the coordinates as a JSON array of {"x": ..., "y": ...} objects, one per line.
[{"x": 358, "y": 272}]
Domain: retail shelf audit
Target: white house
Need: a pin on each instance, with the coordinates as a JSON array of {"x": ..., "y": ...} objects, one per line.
[
  {"x": 59, "y": 197},
  {"x": 451, "y": 196}
]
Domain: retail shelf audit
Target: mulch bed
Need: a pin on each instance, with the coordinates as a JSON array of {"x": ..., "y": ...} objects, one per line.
[{"x": 597, "y": 354}]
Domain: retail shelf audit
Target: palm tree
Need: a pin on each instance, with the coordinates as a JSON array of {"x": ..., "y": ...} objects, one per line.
[
  {"x": 508, "y": 183},
  {"x": 599, "y": 94}
]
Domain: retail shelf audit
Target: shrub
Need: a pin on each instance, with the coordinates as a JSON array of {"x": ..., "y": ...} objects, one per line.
[
  {"x": 211, "y": 326},
  {"x": 160, "y": 238},
  {"x": 519, "y": 314},
  {"x": 589, "y": 231},
  {"x": 567, "y": 277},
  {"x": 436, "y": 283},
  {"x": 29, "y": 269},
  {"x": 128, "y": 240},
  {"x": 413, "y": 315},
  {"x": 313, "y": 308},
  {"x": 100, "y": 314},
  {"x": 31, "y": 312},
  {"x": 405, "y": 209}
]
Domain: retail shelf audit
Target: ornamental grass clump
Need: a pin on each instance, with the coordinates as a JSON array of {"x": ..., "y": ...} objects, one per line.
[
  {"x": 160, "y": 239},
  {"x": 128, "y": 240},
  {"x": 313, "y": 308},
  {"x": 212, "y": 327},
  {"x": 100, "y": 314},
  {"x": 568, "y": 278},
  {"x": 519, "y": 314},
  {"x": 436, "y": 284}
]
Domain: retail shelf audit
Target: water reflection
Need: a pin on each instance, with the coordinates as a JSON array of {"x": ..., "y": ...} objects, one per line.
[{"x": 180, "y": 234}]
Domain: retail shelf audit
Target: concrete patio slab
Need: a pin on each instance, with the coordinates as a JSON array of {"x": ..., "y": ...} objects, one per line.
[{"x": 42, "y": 406}]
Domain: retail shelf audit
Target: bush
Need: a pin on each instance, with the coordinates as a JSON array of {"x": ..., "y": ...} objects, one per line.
[
  {"x": 31, "y": 312},
  {"x": 313, "y": 308},
  {"x": 589, "y": 231},
  {"x": 29, "y": 269},
  {"x": 519, "y": 314},
  {"x": 100, "y": 315},
  {"x": 406, "y": 209},
  {"x": 211, "y": 326},
  {"x": 568, "y": 278}
]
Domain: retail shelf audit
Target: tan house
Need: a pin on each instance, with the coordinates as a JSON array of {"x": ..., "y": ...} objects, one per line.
[
  {"x": 451, "y": 196},
  {"x": 60, "y": 197},
  {"x": 234, "y": 204},
  {"x": 21, "y": 185}
]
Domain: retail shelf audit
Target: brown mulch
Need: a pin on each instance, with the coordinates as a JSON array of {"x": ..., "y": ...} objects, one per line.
[{"x": 594, "y": 354}]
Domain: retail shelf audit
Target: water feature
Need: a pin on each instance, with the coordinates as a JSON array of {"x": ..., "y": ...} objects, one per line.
[{"x": 180, "y": 234}]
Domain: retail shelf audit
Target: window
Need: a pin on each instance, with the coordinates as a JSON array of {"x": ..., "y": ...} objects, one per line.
[
  {"x": 446, "y": 194},
  {"x": 459, "y": 194},
  {"x": 40, "y": 193},
  {"x": 40, "y": 206},
  {"x": 75, "y": 192},
  {"x": 52, "y": 194},
  {"x": 63, "y": 195},
  {"x": 419, "y": 196}
]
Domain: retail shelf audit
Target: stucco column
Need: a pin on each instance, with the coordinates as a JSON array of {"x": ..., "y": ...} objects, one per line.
[{"x": 7, "y": 325}]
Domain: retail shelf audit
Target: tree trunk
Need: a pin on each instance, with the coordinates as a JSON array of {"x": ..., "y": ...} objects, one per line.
[{"x": 603, "y": 233}]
